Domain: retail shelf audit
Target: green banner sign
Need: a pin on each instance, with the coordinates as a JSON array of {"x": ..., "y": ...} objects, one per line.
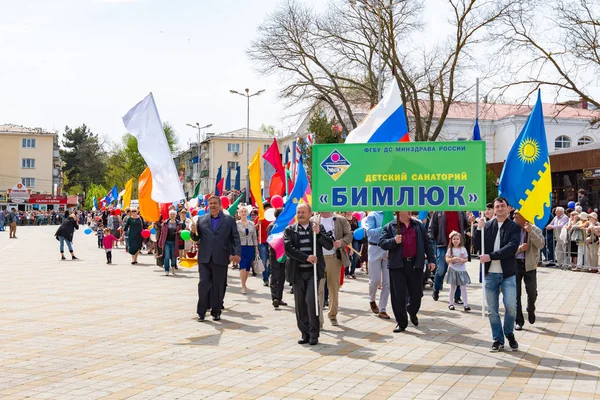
[{"x": 418, "y": 176}]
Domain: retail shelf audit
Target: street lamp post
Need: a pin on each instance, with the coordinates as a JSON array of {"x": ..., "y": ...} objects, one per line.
[
  {"x": 197, "y": 126},
  {"x": 247, "y": 95}
]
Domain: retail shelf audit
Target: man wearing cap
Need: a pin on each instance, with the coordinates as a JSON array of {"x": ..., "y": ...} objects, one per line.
[{"x": 528, "y": 256}]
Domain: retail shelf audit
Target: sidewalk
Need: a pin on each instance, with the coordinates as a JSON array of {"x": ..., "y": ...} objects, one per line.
[{"x": 86, "y": 330}]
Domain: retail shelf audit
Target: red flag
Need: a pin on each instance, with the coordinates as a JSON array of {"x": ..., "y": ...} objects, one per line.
[
  {"x": 277, "y": 185},
  {"x": 273, "y": 157},
  {"x": 405, "y": 138},
  {"x": 220, "y": 187}
]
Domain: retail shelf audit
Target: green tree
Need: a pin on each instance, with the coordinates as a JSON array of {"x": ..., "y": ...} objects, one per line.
[
  {"x": 126, "y": 162},
  {"x": 323, "y": 131},
  {"x": 83, "y": 157},
  {"x": 97, "y": 191},
  {"x": 270, "y": 129}
]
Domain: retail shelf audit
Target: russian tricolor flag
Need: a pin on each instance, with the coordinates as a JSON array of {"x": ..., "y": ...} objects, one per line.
[{"x": 385, "y": 123}]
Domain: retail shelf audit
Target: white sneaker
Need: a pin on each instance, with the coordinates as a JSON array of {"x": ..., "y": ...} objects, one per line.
[{"x": 166, "y": 273}]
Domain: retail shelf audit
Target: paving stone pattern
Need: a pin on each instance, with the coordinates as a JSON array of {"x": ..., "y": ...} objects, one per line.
[{"x": 87, "y": 330}]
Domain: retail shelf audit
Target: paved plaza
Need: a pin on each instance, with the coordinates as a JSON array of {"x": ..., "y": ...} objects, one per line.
[{"x": 86, "y": 330}]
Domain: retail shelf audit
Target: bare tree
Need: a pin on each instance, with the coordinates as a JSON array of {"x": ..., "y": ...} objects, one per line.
[
  {"x": 332, "y": 57},
  {"x": 563, "y": 55}
]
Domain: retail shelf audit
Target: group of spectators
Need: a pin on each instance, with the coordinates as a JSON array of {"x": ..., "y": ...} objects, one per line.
[{"x": 37, "y": 218}]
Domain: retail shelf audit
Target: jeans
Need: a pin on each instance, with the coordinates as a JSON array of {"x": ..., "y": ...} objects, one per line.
[
  {"x": 62, "y": 241},
  {"x": 263, "y": 252},
  {"x": 440, "y": 272},
  {"x": 169, "y": 255},
  {"x": 549, "y": 246},
  {"x": 493, "y": 283},
  {"x": 354, "y": 258},
  {"x": 1, "y": 226},
  {"x": 378, "y": 273}
]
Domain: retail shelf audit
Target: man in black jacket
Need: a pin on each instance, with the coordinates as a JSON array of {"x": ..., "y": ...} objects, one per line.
[
  {"x": 407, "y": 242},
  {"x": 298, "y": 242},
  {"x": 502, "y": 238}
]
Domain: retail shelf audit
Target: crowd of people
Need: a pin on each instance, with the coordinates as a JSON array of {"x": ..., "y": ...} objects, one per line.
[{"x": 400, "y": 257}]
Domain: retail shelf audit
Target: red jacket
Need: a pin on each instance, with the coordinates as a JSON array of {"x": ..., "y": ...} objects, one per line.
[{"x": 163, "y": 236}]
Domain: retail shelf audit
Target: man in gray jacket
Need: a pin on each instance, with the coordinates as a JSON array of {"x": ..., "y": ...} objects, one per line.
[{"x": 528, "y": 256}]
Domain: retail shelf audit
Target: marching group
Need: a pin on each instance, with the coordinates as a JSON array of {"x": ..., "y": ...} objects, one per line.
[{"x": 400, "y": 257}]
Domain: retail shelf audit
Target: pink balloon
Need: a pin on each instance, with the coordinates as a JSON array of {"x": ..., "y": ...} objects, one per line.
[
  {"x": 356, "y": 215},
  {"x": 145, "y": 233},
  {"x": 277, "y": 201},
  {"x": 225, "y": 201}
]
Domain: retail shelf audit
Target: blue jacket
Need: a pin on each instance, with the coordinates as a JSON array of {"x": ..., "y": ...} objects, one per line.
[{"x": 424, "y": 245}]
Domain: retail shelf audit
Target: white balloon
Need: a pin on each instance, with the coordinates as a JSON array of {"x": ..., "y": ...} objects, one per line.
[
  {"x": 193, "y": 203},
  {"x": 153, "y": 237},
  {"x": 270, "y": 215},
  {"x": 195, "y": 218},
  {"x": 225, "y": 212}
]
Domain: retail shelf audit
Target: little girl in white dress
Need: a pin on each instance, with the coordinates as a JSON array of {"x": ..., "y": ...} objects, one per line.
[{"x": 456, "y": 257}]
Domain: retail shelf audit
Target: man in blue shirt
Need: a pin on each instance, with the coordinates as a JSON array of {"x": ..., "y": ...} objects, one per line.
[{"x": 378, "y": 265}]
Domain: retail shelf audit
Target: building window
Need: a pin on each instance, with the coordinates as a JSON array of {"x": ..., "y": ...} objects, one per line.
[
  {"x": 584, "y": 140},
  {"x": 232, "y": 164},
  {"x": 266, "y": 148},
  {"x": 29, "y": 143},
  {"x": 562, "y": 142},
  {"x": 28, "y": 182},
  {"x": 233, "y": 147},
  {"x": 28, "y": 163}
]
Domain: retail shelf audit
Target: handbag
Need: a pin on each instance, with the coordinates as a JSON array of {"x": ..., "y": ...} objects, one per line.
[
  {"x": 160, "y": 260},
  {"x": 563, "y": 235},
  {"x": 259, "y": 266}
]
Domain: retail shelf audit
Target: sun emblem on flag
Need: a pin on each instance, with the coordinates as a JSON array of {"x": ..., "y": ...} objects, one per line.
[{"x": 529, "y": 151}]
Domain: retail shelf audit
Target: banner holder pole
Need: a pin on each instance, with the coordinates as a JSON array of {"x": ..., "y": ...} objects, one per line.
[
  {"x": 315, "y": 278},
  {"x": 482, "y": 266}
]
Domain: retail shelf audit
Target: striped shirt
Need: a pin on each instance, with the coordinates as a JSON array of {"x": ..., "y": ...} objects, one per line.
[{"x": 305, "y": 236}]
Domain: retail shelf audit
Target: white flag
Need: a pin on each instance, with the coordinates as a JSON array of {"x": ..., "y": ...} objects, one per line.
[{"x": 143, "y": 121}]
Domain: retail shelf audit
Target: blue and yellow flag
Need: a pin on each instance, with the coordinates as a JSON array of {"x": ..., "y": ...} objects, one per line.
[{"x": 526, "y": 179}]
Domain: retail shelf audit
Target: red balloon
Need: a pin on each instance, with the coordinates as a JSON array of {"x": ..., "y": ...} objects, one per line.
[
  {"x": 194, "y": 212},
  {"x": 145, "y": 233},
  {"x": 225, "y": 201},
  {"x": 277, "y": 201},
  {"x": 356, "y": 215}
]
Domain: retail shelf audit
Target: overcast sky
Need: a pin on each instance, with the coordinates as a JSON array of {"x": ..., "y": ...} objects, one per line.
[{"x": 68, "y": 62}]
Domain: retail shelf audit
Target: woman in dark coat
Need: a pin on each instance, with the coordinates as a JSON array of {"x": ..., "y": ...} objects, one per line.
[
  {"x": 64, "y": 233},
  {"x": 134, "y": 226}
]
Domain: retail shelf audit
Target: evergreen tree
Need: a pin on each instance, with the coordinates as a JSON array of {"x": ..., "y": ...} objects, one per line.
[
  {"x": 83, "y": 157},
  {"x": 323, "y": 131}
]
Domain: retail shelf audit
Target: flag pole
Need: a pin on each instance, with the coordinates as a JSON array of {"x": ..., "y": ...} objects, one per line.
[
  {"x": 315, "y": 281},
  {"x": 482, "y": 266}
]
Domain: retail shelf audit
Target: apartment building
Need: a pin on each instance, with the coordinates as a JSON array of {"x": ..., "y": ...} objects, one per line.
[
  {"x": 229, "y": 150},
  {"x": 29, "y": 156}
]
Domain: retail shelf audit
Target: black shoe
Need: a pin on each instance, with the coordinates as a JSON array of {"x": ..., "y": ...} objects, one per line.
[
  {"x": 200, "y": 318},
  {"x": 518, "y": 327},
  {"x": 276, "y": 303},
  {"x": 398, "y": 329},
  {"x": 304, "y": 340},
  {"x": 63, "y": 258},
  {"x": 282, "y": 303},
  {"x": 313, "y": 341},
  {"x": 436, "y": 295},
  {"x": 414, "y": 320},
  {"x": 74, "y": 258},
  {"x": 512, "y": 342},
  {"x": 496, "y": 347},
  {"x": 253, "y": 273},
  {"x": 217, "y": 317},
  {"x": 174, "y": 266},
  {"x": 458, "y": 301},
  {"x": 467, "y": 308},
  {"x": 531, "y": 317}
]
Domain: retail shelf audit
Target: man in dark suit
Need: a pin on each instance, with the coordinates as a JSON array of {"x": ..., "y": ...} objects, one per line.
[
  {"x": 219, "y": 244},
  {"x": 502, "y": 239},
  {"x": 407, "y": 243},
  {"x": 298, "y": 241}
]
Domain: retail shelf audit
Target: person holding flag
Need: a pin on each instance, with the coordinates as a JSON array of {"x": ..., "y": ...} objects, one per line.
[{"x": 299, "y": 244}]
